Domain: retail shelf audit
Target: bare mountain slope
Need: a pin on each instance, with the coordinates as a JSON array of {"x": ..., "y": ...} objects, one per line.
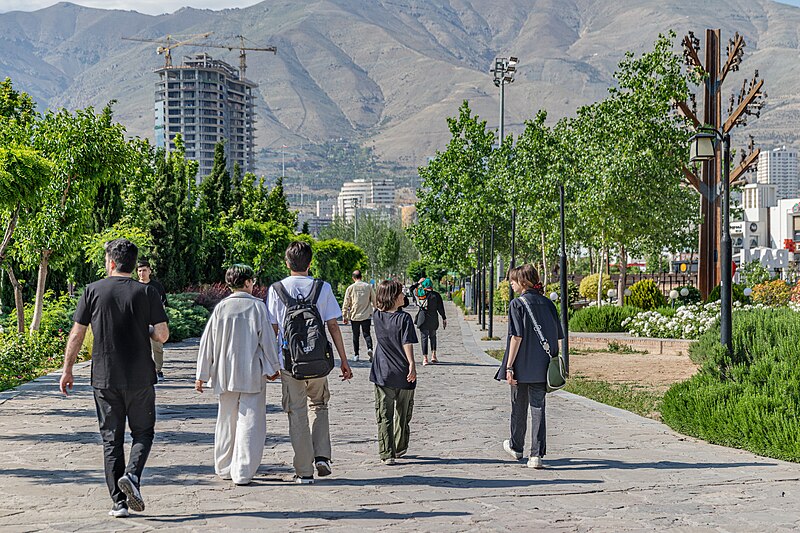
[{"x": 388, "y": 72}]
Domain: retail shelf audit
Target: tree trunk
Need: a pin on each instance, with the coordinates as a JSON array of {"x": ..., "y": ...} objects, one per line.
[
  {"x": 591, "y": 261},
  {"x": 38, "y": 306},
  {"x": 623, "y": 276},
  {"x": 544, "y": 276},
  {"x": 600, "y": 281},
  {"x": 18, "y": 303}
]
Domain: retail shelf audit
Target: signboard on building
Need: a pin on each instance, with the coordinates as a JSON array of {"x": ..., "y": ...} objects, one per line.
[{"x": 771, "y": 258}]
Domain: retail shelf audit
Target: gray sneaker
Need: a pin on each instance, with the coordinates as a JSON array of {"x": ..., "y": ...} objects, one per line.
[
  {"x": 303, "y": 480},
  {"x": 129, "y": 484},
  {"x": 389, "y": 461},
  {"x": 369, "y": 354},
  {"x": 507, "y": 447},
  {"x": 120, "y": 510},
  {"x": 535, "y": 462}
]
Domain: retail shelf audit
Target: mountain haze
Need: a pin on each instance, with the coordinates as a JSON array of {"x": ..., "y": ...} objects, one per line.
[{"x": 388, "y": 72}]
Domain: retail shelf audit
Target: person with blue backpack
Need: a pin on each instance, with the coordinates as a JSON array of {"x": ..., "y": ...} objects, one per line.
[{"x": 301, "y": 308}]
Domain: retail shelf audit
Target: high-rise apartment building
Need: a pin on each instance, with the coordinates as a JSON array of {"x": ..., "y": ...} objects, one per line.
[
  {"x": 206, "y": 101},
  {"x": 778, "y": 167}
]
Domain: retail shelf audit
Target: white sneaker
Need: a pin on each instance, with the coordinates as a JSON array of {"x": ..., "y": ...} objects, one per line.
[
  {"x": 120, "y": 510},
  {"x": 389, "y": 461},
  {"x": 535, "y": 462},
  {"x": 323, "y": 467},
  {"x": 507, "y": 447},
  {"x": 356, "y": 358},
  {"x": 300, "y": 480}
]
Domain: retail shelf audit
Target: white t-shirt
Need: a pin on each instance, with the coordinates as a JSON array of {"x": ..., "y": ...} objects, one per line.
[{"x": 301, "y": 286}]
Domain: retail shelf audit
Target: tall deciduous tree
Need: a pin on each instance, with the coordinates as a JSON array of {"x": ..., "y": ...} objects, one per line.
[{"x": 86, "y": 150}]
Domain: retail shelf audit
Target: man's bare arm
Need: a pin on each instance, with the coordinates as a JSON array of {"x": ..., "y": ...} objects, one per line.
[
  {"x": 160, "y": 332},
  {"x": 74, "y": 343}
]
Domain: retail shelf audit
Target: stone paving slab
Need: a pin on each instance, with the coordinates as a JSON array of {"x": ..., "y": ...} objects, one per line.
[{"x": 608, "y": 470}]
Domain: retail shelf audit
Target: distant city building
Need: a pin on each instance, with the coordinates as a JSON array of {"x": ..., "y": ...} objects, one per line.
[
  {"x": 206, "y": 102},
  {"x": 778, "y": 167},
  {"x": 362, "y": 194},
  {"x": 325, "y": 208}
]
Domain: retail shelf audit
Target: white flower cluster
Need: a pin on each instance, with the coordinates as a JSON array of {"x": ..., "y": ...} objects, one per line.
[{"x": 689, "y": 322}]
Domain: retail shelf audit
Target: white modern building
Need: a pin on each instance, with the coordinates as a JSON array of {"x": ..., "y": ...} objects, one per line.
[
  {"x": 778, "y": 167},
  {"x": 363, "y": 194}
]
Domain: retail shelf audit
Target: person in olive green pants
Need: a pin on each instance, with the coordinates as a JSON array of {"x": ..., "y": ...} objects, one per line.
[{"x": 394, "y": 372}]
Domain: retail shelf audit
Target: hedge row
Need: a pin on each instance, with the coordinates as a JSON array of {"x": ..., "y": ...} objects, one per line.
[{"x": 748, "y": 399}]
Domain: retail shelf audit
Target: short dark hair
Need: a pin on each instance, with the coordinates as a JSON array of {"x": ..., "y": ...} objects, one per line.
[
  {"x": 298, "y": 256},
  {"x": 387, "y": 293},
  {"x": 143, "y": 263},
  {"x": 124, "y": 253},
  {"x": 356, "y": 274},
  {"x": 524, "y": 275},
  {"x": 237, "y": 274}
]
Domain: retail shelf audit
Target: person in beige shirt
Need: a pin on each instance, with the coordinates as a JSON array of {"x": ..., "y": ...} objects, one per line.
[{"x": 359, "y": 301}]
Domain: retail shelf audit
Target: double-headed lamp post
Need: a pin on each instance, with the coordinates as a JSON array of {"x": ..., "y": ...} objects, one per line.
[{"x": 702, "y": 148}]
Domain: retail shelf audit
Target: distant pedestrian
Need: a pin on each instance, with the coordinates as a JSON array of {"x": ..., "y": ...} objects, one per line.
[
  {"x": 394, "y": 371},
  {"x": 431, "y": 306},
  {"x": 238, "y": 354},
  {"x": 145, "y": 274},
  {"x": 359, "y": 301},
  {"x": 299, "y": 305},
  {"x": 121, "y": 312},
  {"x": 525, "y": 363}
]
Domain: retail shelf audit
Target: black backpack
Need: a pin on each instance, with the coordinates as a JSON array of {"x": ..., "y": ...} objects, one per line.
[{"x": 306, "y": 350}]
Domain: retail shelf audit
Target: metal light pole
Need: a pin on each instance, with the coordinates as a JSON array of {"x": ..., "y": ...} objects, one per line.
[
  {"x": 702, "y": 149},
  {"x": 483, "y": 286},
  {"x": 513, "y": 261},
  {"x": 491, "y": 284},
  {"x": 563, "y": 281}
]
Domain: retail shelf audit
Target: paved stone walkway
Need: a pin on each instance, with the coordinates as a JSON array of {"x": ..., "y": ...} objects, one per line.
[{"x": 608, "y": 470}]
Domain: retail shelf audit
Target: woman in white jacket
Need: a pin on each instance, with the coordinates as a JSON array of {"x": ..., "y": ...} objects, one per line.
[{"x": 238, "y": 354}]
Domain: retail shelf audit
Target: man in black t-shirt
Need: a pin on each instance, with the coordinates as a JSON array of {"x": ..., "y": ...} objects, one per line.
[
  {"x": 120, "y": 311},
  {"x": 144, "y": 272}
]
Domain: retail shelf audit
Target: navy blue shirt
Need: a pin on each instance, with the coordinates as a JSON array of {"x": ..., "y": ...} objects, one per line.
[
  {"x": 389, "y": 365},
  {"x": 530, "y": 365}
]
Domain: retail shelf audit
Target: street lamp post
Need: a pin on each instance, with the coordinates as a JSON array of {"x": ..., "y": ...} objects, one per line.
[
  {"x": 702, "y": 149},
  {"x": 513, "y": 261},
  {"x": 483, "y": 285},
  {"x": 563, "y": 280},
  {"x": 491, "y": 284}
]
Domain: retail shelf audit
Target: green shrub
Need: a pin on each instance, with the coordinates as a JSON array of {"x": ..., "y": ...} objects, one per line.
[
  {"x": 186, "y": 319},
  {"x": 501, "y": 298},
  {"x": 666, "y": 311},
  {"x": 774, "y": 293},
  {"x": 56, "y": 315},
  {"x": 588, "y": 287},
  {"x": 751, "y": 398},
  {"x": 646, "y": 295},
  {"x": 693, "y": 297},
  {"x": 604, "y": 319},
  {"x": 754, "y": 273},
  {"x": 737, "y": 291},
  {"x": 573, "y": 292},
  {"x": 25, "y": 357}
]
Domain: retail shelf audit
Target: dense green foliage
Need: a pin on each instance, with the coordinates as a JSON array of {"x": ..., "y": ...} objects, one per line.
[
  {"x": 693, "y": 297},
  {"x": 750, "y": 399},
  {"x": 646, "y": 295},
  {"x": 573, "y": 291},
  {"x": 588, "y": 286},
  {"x": 601, "y": 319},
  {"x": 335, "y": 260},
  {"x": 24, "y": 356},
  {"x": 774, "y": 293},
  {"x": 737, "y": 292},
  {"x": 186, "y": 318}
]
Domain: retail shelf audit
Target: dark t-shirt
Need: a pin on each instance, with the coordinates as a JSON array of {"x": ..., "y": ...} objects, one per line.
[
  {"x": 162, "y": 292},
  {"x": 120, "y": 311},
  {"x": 390, "y": 366},
  {"x": 530, "y": 365}
]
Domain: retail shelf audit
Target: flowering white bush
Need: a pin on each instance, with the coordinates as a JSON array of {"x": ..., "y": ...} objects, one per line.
[{"x": 690, "y": 321}]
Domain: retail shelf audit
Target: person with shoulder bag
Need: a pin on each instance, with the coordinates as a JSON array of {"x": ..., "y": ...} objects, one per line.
[
  {"x": 431, "y": 306},
  {"x": 533, "y": 333}
]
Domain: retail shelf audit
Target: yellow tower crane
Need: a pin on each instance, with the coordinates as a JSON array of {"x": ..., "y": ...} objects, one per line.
[
  {"x": 242, "y": 50},
  {"x": 168, "y": 42}
]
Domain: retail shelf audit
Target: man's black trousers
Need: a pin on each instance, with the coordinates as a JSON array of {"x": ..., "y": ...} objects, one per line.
[{"x": 114, "y": 407}]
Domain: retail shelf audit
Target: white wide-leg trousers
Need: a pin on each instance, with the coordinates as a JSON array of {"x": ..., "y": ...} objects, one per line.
[{"x": 239, "y": 437}]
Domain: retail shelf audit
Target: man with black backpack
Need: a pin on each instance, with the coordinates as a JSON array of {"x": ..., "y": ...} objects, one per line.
[{"x": 300, "y": 308}]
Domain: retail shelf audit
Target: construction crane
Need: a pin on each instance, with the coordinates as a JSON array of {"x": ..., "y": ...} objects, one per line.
[
  {"x": 242, "y": 51},
  {"x": 167, "y": 43}
]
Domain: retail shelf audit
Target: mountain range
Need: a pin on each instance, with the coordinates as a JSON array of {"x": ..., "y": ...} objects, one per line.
[{"x": 387, "y": 73}]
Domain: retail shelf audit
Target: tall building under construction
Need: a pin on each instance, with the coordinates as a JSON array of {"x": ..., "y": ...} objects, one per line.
[{"x": 206, "y": 101}]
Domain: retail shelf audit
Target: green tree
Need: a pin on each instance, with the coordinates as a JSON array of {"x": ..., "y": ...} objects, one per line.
[
  {"x": 86, "y": 150},
  {"x": 260, "y": 244},
  {"x": 389, "y": 254},
  {"x": 334, "y": 261}
]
